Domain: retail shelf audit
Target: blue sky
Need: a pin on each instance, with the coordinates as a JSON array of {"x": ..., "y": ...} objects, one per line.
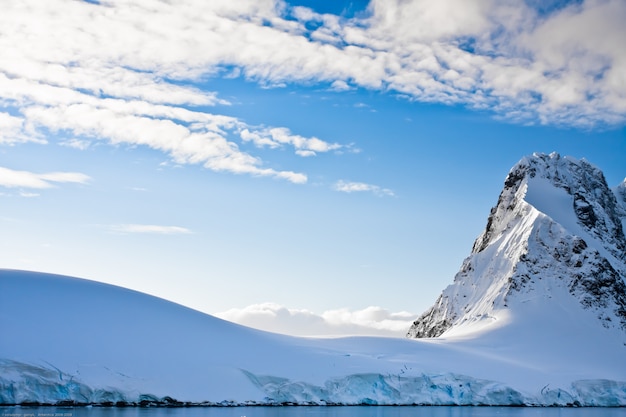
[{"x": 325, "y": 157}]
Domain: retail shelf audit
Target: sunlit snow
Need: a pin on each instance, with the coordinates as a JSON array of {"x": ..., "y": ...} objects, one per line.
[{"x": 67, "y": 339}]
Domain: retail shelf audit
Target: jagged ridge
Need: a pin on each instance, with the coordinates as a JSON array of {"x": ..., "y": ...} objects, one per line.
[{"x": 556, "y": 225}]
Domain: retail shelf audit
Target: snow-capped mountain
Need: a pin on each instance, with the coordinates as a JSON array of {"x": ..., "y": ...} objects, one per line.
[
  {"x": 535, "y": 317},
  {"x": 554, "y": 243}
]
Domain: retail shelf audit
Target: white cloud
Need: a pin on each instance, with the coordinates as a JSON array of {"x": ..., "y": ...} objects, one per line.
[
  {"x": 201, "y": 140},
  {"x": 126, "y": 73},
  {"x": 371, "y": 321},
  {"x": 12, "y": 130},
  {"x": 150, "y": 229},
  {"x": 76, "y": 144},
  {"x": 565, "y": 67},
  {"x": 112, "y": 78},
  {"x": 340, "y": 85},
  {"x": 305, "y": 153},
  {"x": 277, "y": 137},
  {"x": 25, "y": 179},
  {"x": 354, "y": 187},
  {"x": 428, "y": 21}
]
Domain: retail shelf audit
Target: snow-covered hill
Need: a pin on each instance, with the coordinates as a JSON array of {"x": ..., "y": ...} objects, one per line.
[
  {"x": 67, "y": 339},
  {"x": 533, "y": 318},
  {"x": 554, "y": 244}
]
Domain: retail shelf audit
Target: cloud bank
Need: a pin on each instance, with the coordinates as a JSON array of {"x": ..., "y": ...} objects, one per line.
[
  {"x": 130, "y": 73},
  {"x": 370, "y": 321}
]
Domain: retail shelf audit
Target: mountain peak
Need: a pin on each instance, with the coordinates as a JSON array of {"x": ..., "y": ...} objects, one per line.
[
  {"x": 555, "y": 235},
  {"x": 534, "y": 180}
]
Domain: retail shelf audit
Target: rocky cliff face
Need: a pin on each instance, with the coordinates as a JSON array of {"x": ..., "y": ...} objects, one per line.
[
  {"x": 557, "y": 231},
  {"x": 620, "y": 195}
]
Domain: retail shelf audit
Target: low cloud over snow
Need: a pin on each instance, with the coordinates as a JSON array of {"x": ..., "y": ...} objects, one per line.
[{"x": 373, "y": 321}]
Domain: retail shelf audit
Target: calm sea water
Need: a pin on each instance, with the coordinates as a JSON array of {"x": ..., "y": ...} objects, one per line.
[{"x": 311, "y": 412}]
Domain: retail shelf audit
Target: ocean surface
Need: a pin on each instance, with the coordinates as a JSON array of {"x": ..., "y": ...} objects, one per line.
[{"x": 376, "y": 411}]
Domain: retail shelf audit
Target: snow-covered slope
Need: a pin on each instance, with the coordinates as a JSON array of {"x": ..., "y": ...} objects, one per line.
[
  {"x": 554, "y": 243},
  {"x": 72, "y": 340}
]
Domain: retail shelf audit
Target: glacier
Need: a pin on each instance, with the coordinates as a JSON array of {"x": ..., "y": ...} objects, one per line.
[
  {"x": 22, "y": 383},
  {"x": 534, "y": 317}
]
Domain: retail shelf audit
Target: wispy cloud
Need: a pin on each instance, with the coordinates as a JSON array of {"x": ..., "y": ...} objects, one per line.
[
  {"x": 356, "y": 187},
  {"x": 371, "y": 321},
  {"x": 76, "y": 144},
  {"x": 25, "y": 179},
  {"x": 149, "y": 229}
]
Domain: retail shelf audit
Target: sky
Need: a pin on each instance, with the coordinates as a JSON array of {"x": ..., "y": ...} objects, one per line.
[{"x": 307, "y": 167}]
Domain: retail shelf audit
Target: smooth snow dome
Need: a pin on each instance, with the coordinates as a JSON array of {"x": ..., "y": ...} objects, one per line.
[{"x": 91, "y": 343}]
